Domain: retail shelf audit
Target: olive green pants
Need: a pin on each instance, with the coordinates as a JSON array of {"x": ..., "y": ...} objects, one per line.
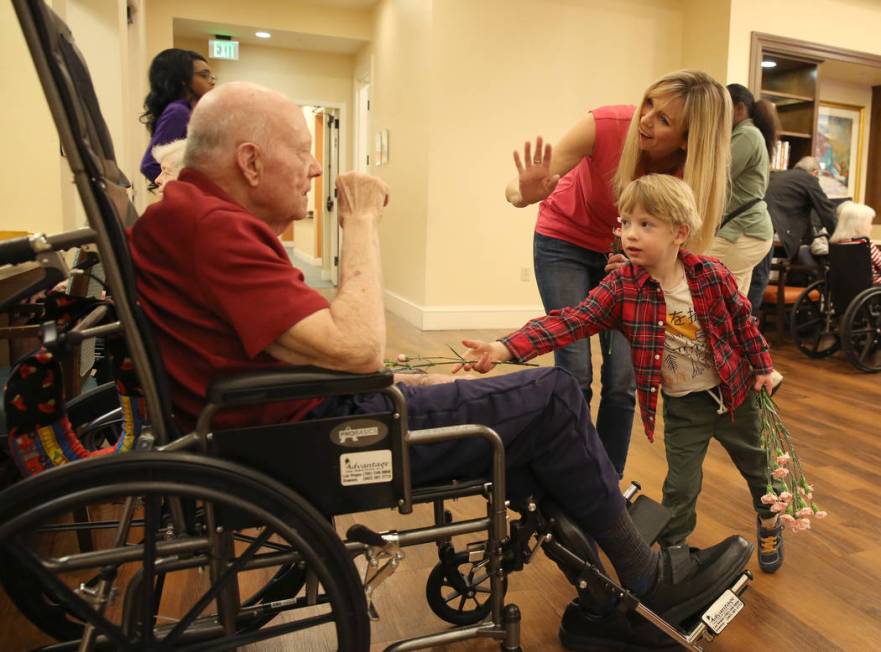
[{"x": 690, "y": 422}]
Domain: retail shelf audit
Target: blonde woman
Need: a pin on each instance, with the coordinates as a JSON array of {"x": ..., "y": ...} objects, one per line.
[{"x": 681, "y": 127}]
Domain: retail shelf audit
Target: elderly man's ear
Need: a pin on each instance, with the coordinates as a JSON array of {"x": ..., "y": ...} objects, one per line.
[{"x": 250, "y": 162}]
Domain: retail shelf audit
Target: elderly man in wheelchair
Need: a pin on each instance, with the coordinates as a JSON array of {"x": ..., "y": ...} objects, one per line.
[{"x": 253, "y": 457}]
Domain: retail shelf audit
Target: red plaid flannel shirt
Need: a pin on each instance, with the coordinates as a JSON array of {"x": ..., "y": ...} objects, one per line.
[{"x": 631, "y": 301}]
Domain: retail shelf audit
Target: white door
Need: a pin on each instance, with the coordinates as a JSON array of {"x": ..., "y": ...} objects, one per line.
[
  {"x": 362, "y": 119},
  {"x": 330, "y": 172}
]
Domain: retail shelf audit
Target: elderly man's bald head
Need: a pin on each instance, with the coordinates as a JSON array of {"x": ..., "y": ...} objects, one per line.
[
  {"x": 255, "y": 145},
  {"x": 234, "y": 113}
]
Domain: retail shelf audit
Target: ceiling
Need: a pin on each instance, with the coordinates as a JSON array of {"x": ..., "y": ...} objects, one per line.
[
  {"x": 852, "y": 73},
  {"x": 203, "y": 30}
]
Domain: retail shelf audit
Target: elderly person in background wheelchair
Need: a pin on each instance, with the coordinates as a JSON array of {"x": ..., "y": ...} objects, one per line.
[
  {"x": 224, "y": 298},
  {"x": 171, "y": 159},
  {"x": 854, "y": 224}
]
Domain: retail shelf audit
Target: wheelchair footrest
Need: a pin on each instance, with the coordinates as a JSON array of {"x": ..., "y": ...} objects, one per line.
[{"x": 650, "y": 518}]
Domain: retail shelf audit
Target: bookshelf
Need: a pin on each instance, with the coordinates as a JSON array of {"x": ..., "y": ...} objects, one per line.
[{"x": 792, "y": 86}]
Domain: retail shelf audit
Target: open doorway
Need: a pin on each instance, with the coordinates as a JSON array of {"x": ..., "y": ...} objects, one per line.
[{"x": 312, "y": 243}]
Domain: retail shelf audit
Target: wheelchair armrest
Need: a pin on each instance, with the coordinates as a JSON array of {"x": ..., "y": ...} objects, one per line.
[{"x": 293, "y": 383}]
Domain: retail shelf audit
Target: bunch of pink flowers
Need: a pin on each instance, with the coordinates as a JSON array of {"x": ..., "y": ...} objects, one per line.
[{"x": 789, "y": 493}]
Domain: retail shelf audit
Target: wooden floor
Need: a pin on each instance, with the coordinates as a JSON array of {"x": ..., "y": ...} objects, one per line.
[{"x": 827, "y": 596}]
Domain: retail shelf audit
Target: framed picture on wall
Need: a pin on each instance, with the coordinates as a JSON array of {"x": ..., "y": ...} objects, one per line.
[{"x": 839, "y": 148}]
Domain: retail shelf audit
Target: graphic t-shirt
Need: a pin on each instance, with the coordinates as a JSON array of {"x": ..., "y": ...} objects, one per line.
[{"x": 688, "y": 362}]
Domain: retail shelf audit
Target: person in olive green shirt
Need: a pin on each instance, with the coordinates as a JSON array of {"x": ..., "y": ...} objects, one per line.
[{"x": 746, "y": 234}]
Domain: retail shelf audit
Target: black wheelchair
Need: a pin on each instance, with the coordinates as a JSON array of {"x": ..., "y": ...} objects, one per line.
[
  {"x": 841, "y": 310},
  {"x": 212, "y": 540}
]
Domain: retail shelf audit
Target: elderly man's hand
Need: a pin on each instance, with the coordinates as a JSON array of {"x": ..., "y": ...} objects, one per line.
[{"x": 361, "y": 196}]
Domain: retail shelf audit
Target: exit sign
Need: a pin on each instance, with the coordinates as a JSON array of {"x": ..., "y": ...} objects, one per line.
[{"x": 218, "y": 49}]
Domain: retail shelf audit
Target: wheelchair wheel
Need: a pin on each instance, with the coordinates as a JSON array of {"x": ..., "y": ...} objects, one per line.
[
  {"x": 812, "y": 323},
  {"x": 251, "y": 552},
  {"x": 464, "y": 597},
  {"x": 861, "y": 331}
]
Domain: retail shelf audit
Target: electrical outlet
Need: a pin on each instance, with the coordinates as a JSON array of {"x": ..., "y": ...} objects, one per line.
[{"x": 524, "y": 274}]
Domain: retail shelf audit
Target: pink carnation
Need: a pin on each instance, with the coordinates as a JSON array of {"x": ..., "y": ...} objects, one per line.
[
  {"x": 778, "y": 507},
  {"x": 769, "y": 499},
  {"x": 783, "y": 459},
  {"x": 786, "y": 497},
  {"x": 821, "y": 514},
  {"x": 804, "y": 524},
  {"x": 804, "y": 511},
  {"x": 787, "y": 518},
  {"x": 779, "y": 474}
]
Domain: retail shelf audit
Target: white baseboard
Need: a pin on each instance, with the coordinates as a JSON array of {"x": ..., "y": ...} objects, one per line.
[{"x": 441, "y": 318}]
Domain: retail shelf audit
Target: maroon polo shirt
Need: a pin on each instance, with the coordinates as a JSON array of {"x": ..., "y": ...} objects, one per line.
[{"x": 218, "y": 287}]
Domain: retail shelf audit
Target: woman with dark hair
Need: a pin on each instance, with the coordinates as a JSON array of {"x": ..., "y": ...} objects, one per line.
[
  {"x": 178, "y": 78},
  {"x": 746, "y": 234}
]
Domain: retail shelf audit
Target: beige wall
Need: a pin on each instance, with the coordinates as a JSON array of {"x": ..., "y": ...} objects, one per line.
[
  {"x": 30, "y": 174},
  {"x": 850, "y": 24},
  {"x": 855, "y": 95},
  {"x": 705, "y": 36},
  {"x": 36, "y": 183},
  {"x": 504, "y": 71},
  {"x": 399, "y": 60}
]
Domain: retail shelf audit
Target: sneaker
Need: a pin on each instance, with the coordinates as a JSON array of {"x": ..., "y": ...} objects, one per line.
[
  {"x": 689, "y": 579},
  {"x": 619, "y": 632},
  {"x": 776, "y": 381},
  {"x": 770, "y": 546}
]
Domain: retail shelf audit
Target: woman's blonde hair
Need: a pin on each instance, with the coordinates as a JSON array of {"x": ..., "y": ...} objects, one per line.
[
  {"x": 664, "y": 197},
  {"x": 707, "y": 122},
  {"x": 854, "y": 221}
]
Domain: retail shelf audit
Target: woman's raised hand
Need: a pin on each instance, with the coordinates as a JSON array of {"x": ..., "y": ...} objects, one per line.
[{"x": 534, "y": 172}]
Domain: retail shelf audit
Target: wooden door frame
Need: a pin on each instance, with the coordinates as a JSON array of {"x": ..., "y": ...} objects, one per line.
[{"x": 762, "y": 43}]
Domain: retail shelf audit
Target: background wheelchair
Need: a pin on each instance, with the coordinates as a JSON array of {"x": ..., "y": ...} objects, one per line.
[
  {"x": 221, "y": 539},
  {"x": 841, "y": 310}
]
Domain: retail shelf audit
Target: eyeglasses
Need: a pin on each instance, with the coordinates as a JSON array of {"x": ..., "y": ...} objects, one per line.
[{"x": 206, "y": 74}]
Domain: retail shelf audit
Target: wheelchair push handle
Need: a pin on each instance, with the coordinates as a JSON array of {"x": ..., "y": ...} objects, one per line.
[{"x": 28, "y": 248}]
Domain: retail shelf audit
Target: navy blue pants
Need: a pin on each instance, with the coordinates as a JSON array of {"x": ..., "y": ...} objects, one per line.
[
  {"x": 565, "y": 273},
  {"x": 551, "y": 447}
]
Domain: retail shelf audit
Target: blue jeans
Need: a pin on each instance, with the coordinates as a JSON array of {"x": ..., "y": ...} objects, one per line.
[
  {"x": 759, "y": 282},
  {"x": 565, "y": 273}
]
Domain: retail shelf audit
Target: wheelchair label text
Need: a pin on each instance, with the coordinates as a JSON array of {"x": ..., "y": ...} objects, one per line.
[
  {"x": 369, "y": 467},
  {"x": 722, "y": 612},
  {"x": 358, "y": 433}
]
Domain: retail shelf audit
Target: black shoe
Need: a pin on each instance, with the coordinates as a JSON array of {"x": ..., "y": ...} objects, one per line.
[
  {"x": 690, "y": 579},
  {"x": 619, "y": 632}
]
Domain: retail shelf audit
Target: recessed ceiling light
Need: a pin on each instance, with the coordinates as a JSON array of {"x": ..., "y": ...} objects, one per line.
[
  {"x": 262, "y": 34},
  {"x": 767, "y": 63}
]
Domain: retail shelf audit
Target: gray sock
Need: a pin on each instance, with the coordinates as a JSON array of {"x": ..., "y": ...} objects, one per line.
[{"x": 633, "y": 559}]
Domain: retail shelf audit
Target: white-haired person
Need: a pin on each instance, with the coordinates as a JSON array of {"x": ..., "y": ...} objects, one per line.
[
  {"x": 855, "y": 223},
  {"x": 171, "y": 160},
  {"x": 682, "y": 127}
]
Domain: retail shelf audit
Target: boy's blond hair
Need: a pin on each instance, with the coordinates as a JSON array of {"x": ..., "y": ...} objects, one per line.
[{"x": 663, "y": 197}]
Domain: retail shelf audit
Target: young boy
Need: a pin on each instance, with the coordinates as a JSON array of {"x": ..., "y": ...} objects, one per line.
[{"x": 691, "y": 336}]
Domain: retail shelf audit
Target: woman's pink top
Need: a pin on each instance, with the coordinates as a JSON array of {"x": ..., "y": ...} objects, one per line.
[{"x": 582, "y": 209}]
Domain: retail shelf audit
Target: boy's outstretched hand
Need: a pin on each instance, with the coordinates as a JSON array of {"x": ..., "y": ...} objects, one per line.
[
  {"x": 764, "y": 380},
  {"x": 482, "y": 356}
]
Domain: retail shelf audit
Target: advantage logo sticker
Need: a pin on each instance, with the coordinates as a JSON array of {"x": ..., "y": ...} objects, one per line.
[
  {"x": 369, "y": 467},
  {"x": 358, "y": 433}
]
